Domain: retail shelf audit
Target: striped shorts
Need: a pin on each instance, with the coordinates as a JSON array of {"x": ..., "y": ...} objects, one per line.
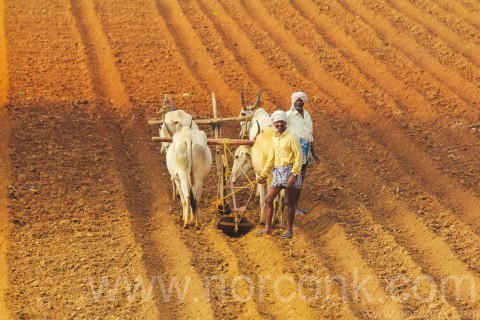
[{"x": 280, "y": 177}]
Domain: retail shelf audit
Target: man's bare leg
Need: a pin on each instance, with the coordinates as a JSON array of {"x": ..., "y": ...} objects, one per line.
[{"x": 271, "y": 194}]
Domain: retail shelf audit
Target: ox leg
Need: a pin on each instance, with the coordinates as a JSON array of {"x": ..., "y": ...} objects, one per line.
[
  {"x": 197, "y": 193},
  {"x": 185, "y": 196},
  {"x": 183, "y": 200},
  {"x": 174, "y": 190}
]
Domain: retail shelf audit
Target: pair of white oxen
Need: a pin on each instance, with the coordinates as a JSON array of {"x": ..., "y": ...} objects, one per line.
[{"x": 188, "y": 155}]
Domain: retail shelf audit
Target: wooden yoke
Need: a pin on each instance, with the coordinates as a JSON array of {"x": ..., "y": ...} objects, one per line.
[
  {"x": 235, "y": 142},
  {"x": 207, "y": 121}
]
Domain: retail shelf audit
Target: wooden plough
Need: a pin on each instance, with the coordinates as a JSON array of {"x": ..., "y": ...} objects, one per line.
[{"x": 236, "y": 224}]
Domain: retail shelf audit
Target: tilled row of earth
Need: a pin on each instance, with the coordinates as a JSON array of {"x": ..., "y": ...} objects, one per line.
[{"x": 90, "y": 229}]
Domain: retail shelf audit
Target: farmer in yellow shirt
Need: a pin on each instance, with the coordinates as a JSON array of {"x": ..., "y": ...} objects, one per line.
[{"x": 285, "y": 158}]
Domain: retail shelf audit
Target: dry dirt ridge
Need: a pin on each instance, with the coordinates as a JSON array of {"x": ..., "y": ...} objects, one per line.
[{"x": 88, "y": 227}]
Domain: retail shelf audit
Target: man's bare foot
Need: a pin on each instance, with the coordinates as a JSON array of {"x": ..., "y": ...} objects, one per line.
[{"x": 263, "y": 232}]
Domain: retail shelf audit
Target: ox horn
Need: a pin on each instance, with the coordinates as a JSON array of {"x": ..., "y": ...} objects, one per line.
[
  {"x": 256, "y": 101},
  {"x": 244, "y": 106},
  {"x": 164, "y": 105},
  {"x": 258, "y": 131},
  {"x": 172, "y": 107}
]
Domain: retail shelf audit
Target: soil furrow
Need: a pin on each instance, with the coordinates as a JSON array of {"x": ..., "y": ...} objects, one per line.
[
  {"x": 424, "y": 98},
  {"x": 229, "y": 267},
  {"x": 406, "y": 98},
  {"x": 3, "y": 58},
  {"x": 255, "y": 61},
  {"x": 365, "y": 289},
  {"x": 415, "y": 99},
  {"x": 450, "y": 134},
  {"x": 159, "y": 265},
  {"x": 410, "y": 71},
  {"x": 167, "y": 256},
  {"x": 416, "y": 53},
  {"x": 440, "y": 31},
  {"x": 147, "y": 58},
  {"x": 371, "y": 69},
  {"x": 424, "y": 165},
  {"x": 106, "y": 80},
  {"x": 427, "y": 249},
  {"x": 5, "y": 222},
  {"x": 420, "y": 170},
  {"x": 333, "y": 301},
  {"x": 73, "y": 253},
  {"x": 199, "y": 60},
  {"x": 456, "y": 17},
  {"x": 339, "y": 86},
  {"x": 390, "y": 261},
  {"x": 437, "y": 213},
  {"x": 459, "y": 10},
  {"x": 223, "y": 58},
  {"x": 4, "y": 165},
  {"x": 421, "y": 162},
  {"x": 46, "y": 64},
  {"x": 264, "y": 263},
  {"x": 471, "y": 6},
  {"x": 90, "y": 225},
  {"x": 426, "y": 171},
  {"x": 456, "y": 128}
]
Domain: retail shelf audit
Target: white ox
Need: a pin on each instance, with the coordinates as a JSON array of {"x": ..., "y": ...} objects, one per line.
[
  {"x": 175, "y": 121},
  {"x": 254, "y": 158},
  {"x": 187, "y": 156},
  {"x": 247, "y": 111}
]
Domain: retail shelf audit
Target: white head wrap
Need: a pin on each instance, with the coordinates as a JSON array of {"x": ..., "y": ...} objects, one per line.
[
  {"x": 279, "y": 115},
  {"x": 298, "y": 95}
]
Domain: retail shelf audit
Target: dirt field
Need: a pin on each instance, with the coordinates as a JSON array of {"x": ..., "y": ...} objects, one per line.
[{"x": 88, "y": 226}]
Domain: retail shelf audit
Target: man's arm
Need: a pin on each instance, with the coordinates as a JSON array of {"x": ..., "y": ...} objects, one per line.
[
  {"x": 297, "y": 153},
  {"x": 268, "y": 166}
]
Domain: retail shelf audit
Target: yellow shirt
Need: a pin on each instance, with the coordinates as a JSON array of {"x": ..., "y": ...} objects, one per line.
[{"x": 285, "y": 150}]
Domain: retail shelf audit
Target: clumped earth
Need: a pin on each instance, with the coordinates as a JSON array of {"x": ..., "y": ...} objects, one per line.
[{"x": 89, "y": 226}]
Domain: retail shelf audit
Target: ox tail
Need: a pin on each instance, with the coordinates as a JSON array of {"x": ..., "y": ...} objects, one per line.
[{"x": 193, "y": 201}]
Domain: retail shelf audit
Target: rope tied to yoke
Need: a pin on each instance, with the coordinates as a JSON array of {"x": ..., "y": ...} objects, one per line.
[{"x": 227, "y": 173}]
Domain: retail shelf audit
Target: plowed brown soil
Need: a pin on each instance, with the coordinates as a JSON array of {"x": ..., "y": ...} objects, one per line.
[{"x": 89, "y": 227}]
